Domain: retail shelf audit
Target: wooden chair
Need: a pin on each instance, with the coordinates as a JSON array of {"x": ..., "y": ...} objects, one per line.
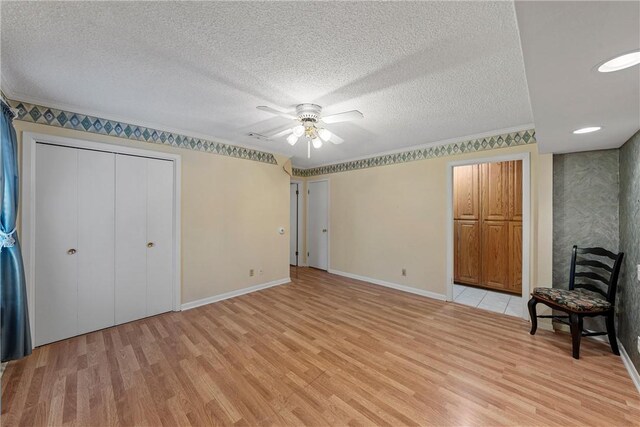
[{"x": 595, "y": 295}]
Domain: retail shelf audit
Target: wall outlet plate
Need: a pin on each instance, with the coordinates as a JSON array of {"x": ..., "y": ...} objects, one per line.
[
  {"x": 404, "y": 271},
  {"x": 251, "y": 272}
]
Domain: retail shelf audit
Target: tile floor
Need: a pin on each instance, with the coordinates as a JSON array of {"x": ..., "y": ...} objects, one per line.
[{"x": 488, "y": 300}]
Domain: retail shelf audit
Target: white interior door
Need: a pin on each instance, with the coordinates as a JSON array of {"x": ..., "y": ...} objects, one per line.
[
  {"x": 131, "y": 238},
  {"x": 159, "y": 236},
  {"x": 318, "y": 224},
  {"x": 56, "y": 265},
  {"x": 293, "y": 226},
  {"x": 96, "y": 228}
]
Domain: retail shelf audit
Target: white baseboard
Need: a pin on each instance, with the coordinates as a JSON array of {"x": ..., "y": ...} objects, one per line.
[
  {"x": 403, "y": 288},
  {"x": 633, "y": 372},
  {"x": 227, "y": 295}
]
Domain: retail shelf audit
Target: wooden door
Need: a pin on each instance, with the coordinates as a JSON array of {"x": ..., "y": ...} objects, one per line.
[
  {"x": 515, "y": 190},
  {"x": 131, "y": 238},
  {"x": 160, "y": 240},
  {"x": 495, "y": 254},
  {"x": 466, "y": 202},
  {"x": 318, "y": 220},
  {"x": 467, "y": 252},
  {"x": 56, "y": 260},
  {"x": 495, "y": 191},
  {"x": 96, "y": 234},
  {"x": 515, "y": 256}
]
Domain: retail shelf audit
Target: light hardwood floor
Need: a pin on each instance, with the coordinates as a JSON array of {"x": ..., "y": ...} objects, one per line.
[{"x": 324, "y": 350}]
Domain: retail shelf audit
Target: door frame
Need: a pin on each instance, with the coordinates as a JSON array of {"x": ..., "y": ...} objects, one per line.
[
  {"x": 300, "y": 222},
  {"x": 28, "y": 197},
  {"x": 328, "y": 221},
  {"x": 526, "y": 220}
]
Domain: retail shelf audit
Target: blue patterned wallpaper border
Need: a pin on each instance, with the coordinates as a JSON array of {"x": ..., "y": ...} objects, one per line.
[
  {"x": 82, "y": 122},
  {"x": 512, "y": 139}
]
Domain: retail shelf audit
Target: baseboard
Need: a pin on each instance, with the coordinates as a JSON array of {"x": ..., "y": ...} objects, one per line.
[
  {"x": 227, "y": 295},
  {"x": 403, "y": 288},
  {"x": 633, "y": 372}
]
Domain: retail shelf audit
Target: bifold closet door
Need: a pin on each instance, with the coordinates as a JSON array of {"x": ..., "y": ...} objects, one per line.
[
  {"x": 74, "y": 242},
  {"x": 144, "y": 237}
]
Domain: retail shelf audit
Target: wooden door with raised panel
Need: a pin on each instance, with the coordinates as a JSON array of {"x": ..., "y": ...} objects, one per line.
[
  {"x": 495, "y": 254},
  {"x": 467, "y": 252},
  {"x": 466, "y": 183},
  {"x": 494, "y": 184},
  {"x": 515, "y": 190},
  {"x": 515, "y": 256}
]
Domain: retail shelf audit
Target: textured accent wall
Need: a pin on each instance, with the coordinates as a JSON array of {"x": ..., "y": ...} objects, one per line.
[
  {"x": 585, "y": 206},
  {"x": 629, "y": 314}
]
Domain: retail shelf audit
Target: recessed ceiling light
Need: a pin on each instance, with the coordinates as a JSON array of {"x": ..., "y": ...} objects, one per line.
[
  {"x": 620, "y": 62},
  {"x": 587, "y": 129}
]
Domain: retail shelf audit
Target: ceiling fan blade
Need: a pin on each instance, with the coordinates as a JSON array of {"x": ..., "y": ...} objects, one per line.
[
  {"x": 335, "y": 139},
  {"x": 343, "y": 117},
  {"x": 276, "y": 112},
  {"x": 281, "y": 131}
]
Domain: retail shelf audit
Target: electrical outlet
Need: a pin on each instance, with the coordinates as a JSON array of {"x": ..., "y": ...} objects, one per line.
[
  {"x": 251, "y": 272},
  {"x": 404, "y": 271},
  {"x": 260, "y": 272}
]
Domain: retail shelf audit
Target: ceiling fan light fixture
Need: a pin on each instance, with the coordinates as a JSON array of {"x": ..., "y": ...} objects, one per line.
[
  {"x": 317, "y": 142},
  {"x": 324, "y": 134},
  {"x": 292, "y": 139},
  {"x": 298, "y": 131}
]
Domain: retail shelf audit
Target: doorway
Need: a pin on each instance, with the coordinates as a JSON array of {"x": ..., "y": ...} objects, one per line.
[
  {"x": 489, "y": 229},
  {"x": 318, "y": 224},
  {"x": 295, "y": 226}
]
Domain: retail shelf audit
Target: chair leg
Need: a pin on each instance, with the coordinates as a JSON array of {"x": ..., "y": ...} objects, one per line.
[
  {"x": 575, "y": 322},
  {"x": 611, "y": 332},
  {"x": 533, "y": 315}
]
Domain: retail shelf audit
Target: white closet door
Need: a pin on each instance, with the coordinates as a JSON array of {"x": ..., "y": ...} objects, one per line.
[
  {"x": 96, "y": 228},
  {"x": 318, "y": 218},
  {"x": 131, "y": 238},
  {"x": 159, "y": 236},
  {"x": 56, "y": 265}
]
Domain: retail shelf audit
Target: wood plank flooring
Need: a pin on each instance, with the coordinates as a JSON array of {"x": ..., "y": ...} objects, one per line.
[{"x": 323, "y": 350}]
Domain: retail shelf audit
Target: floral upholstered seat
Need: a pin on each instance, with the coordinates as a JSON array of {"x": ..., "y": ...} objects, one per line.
[{"x": 577, "y": 300}]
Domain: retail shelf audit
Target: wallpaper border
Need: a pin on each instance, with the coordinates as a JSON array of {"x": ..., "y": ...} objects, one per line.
[
  {"x": 511, "y": 139},
  {"x": 34, "y": 113}
]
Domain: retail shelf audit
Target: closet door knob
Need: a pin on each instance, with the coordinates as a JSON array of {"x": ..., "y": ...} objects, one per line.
[
  {"x": 71, "y": 251},
  {"x": 150, "y": 244}
]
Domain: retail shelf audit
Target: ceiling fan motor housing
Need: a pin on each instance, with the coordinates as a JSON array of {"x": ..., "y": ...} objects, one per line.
[{"x": 308, "y": 112}]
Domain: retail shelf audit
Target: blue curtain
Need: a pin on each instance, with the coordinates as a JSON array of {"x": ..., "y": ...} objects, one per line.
[{"x": 16, "y": 336}]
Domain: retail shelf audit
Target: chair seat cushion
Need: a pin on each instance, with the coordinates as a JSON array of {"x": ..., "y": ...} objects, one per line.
[{"x": 576, "y": 300}]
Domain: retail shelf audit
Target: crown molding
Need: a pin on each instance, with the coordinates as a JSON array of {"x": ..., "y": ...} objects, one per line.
[
  {"x": 68, "y": 118},
  {"x": 481, "y": 142}
]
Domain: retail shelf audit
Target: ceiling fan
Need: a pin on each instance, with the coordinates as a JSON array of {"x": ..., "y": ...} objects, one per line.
[{"x": 308, "y": 118}]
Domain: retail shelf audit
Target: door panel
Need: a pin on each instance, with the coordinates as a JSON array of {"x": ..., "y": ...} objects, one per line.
[
  {"x": 515, "y": 190},
  {"x": 466, "y": 203},
  {"x": 495, "y": 191},
  {"x": 96, "y": 228},
  {"x": 159, "y": 236},
  {"x": 318, "y": 235},
  {"x": 515, "y": 256},
  {"x": 293, "y": 224},
  {"x": 131, "y": 238},
  {"x": 495, "y": 254},
  {"x": 467, "y": 250},
  {"x": 56, "y": 271}
]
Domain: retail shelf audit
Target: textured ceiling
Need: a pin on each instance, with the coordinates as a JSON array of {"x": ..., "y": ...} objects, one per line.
[
  {"x": 563, "y": 43},
  {"x": 420, "y": 72}
]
